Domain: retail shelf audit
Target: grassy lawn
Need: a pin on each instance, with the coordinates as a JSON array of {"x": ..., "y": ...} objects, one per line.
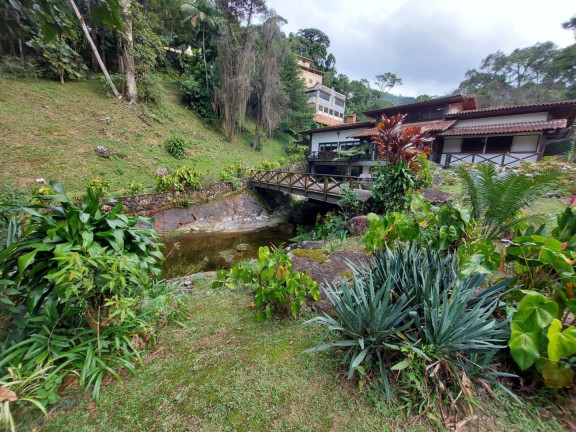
[
  {"x": 226, "y": 371},
  {"x": 50, "y": 130}
]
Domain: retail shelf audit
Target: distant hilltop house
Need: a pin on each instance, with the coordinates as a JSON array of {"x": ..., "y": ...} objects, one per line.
[
  {"x": 503, "y": 135},
  {"x": 329, "y": 105}
]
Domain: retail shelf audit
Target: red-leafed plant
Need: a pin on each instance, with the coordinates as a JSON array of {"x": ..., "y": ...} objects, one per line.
[
  {"x": 403, "y": 148},
  {"x": 396, "y": 143}
]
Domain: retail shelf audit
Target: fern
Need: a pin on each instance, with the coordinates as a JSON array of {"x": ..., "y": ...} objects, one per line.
[{"x": 496, "y": 200}]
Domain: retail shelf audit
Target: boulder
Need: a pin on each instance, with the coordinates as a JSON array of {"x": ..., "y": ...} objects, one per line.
[
  {"x": 358, "y": 225},
  {"x": 105, "y": 120},
  {"x": 102, "y": 151},
  {"x": 161, "y": 171},
  {"x": 436, "y": 196}
]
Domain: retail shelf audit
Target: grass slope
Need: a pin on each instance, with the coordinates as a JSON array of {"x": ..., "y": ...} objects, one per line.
[
  {"x": 50, "y": 130},
  {"x": 224, "y": 371}
]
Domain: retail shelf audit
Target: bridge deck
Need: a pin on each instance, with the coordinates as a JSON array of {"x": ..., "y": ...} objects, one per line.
[{"x": 317, "y": 187}]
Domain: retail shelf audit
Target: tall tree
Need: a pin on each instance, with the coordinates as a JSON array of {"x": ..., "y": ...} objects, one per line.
[
  {"x": 523, "y": 76},
  {"x": 313, "y": 44},
  {"x": 235, "y": 66},
  {"x": 205, "y": 16},
  {"x": 269, "y": 96},
  {"x": 112, "y": 9},
  {"x": 298, "y": 115},
  {"x": 128, "y": 51},
  {"x": 387, "y": 81}
]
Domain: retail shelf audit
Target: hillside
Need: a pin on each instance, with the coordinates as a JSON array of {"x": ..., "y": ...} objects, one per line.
[{"x": 50, "y": 130}]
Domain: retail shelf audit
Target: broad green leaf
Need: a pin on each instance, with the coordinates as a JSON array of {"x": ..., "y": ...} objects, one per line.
[
  {"x": 25, "y": 260},
  {"x": 524, "y": 345},
  {"x": 401, "y": 365},
  {"x": 535, "y": 311},
  {"x": 561, "y": 343},
  {"x": 556, "y": 375}
]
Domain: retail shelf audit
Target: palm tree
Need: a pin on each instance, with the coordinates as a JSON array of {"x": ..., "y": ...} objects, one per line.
[
  {"x": 205, "y": 15},
  {"x": 497, "y": 199}
]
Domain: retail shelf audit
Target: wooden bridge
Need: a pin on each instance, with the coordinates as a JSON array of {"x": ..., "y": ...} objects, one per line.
[{"x": 317, "y": 187}]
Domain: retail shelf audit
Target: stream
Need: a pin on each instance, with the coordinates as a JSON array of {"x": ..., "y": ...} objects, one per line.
[{"x": 198, "y": 252}]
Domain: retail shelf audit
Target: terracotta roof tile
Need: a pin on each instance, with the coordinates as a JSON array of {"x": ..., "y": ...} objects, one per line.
[
  {"x": 434, "y": 125},
  {"x": 328, "y": 121},
  {"x": 501, "y": 108},
  {"x": 531, "y": 126}
]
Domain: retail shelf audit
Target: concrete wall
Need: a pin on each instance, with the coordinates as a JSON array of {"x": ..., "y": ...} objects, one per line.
[{"x": 325, "y": 137}]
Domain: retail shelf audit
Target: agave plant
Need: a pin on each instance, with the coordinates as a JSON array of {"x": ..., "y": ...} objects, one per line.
[
  {"x": 496, "y": 199},
  {"x": 408, "y": 304}
]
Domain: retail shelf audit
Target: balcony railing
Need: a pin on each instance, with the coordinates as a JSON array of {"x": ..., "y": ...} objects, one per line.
[
  {"x": 333, "y": 156},
  {"x": 502, "y": 159}
]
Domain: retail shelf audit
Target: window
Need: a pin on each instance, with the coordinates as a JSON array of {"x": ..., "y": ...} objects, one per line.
[
  {"x": 413, "y": 116},
  {"x": 433, "y": 113},
  {"x": 339, "y": 102},
  {"x": 326, "y": 109},
  {"x": 499, "y": 144},
  {"x": 328, "y": 146},
  {"x": 325, "y": 96},
  {"x": 331, "y": 112},
  {"x": 472, "y": 145}
]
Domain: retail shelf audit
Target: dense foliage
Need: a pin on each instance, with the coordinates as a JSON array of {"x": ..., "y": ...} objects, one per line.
[
  {"x": 407, "y": 310},
  {"x": 278, "y": 289},
  {"x": 176, "y": 147},
  {"x": 79, "y": 296}
]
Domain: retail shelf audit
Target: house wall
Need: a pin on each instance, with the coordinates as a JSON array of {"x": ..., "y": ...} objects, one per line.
[
  {"x": 521, "y": 143},
  {"x": 310, "y": 78},
  {"x": 325, "y": 137},
  {"x": 539, "y": 116},
  {"x": 526, "y": 143}
]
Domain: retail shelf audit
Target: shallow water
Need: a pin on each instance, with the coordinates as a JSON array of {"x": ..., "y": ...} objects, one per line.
[{"x": 198, "y": 252}]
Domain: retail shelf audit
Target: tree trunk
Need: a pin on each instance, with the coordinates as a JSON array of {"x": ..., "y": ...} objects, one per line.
[
  {"x": 128, "y": 44},
  {"x": 204, "y": 56},
  {"x": 94, "y": 49},
  {"x": 93, "y": 34},
  {"x": 256, "y": 135}
]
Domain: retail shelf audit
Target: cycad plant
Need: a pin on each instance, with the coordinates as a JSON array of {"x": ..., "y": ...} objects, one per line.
[{"x": 496, "y": 199}]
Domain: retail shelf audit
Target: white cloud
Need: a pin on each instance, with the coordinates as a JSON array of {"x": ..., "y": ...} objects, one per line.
[{"x": 429, "y": 44}]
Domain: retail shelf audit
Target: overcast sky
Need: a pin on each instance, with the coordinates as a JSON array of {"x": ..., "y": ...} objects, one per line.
[{"x": 430, "y": 44}]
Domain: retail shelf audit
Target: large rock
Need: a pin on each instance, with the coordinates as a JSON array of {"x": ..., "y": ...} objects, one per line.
[
  {"x": 102, "y": 151},
  {"x": 436, "y": 196},
  {"x": 161, "y": 171},
  {"x": 358, "y": 225},
  {"x": 237, "y": 213}
]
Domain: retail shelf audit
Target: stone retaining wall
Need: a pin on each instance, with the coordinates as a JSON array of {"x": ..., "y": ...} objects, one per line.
[{"x": 149, "y": 204}]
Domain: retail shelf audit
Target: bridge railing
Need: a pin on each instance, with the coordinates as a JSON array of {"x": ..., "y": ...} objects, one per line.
[{"x": 307, "y": 183}]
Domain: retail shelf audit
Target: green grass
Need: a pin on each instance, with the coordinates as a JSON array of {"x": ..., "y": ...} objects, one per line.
[
  {"x": 50, "y": 130},
  {"x": 224, "y": 371}
]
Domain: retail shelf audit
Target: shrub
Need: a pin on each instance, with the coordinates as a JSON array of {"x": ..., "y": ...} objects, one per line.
[
  {"x": 75, "y": 254},
  {"x": 136, "y": 188},
  {"x": 278, "y": 289},
  {"x": 176, "y": 147},
  {"x": 266, "y": 165},
  {"x": 100, "y": 187},
  {"x": 440, "y": 229},
  {"x": 390, "y": 187},
  {"x": 566, "y": 178},
  {"x": 348, "y": 199},
  {"x": 234, "y": 171},
  {"x": 184, "y": 178},
  {"x": 496, "y": 199},
  {"x": 407, "y": 308}
]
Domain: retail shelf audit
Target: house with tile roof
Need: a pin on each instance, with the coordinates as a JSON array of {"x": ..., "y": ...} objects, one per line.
[
  {"x": 329, "y": 105},
  {"x": 461, "y": 132}
]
